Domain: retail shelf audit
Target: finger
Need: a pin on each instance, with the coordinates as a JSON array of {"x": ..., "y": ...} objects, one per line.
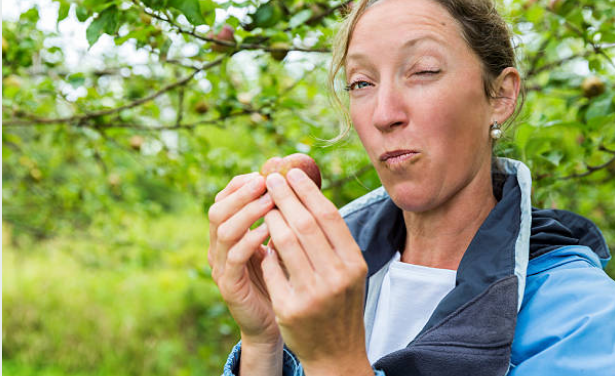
[
  {"x": 326, "y": 214},
  {"x": 235, "y": 183},
  {"x": 303, "y": 223},
  {"x": 233, "y": 229},
  {"x": 277, "y": 285},
  {"x": 289, "y": 250},
  {"x": 218, "y": 212},
  {"x": 240, "y": 253},
  {"x": 224, "y": 209}
]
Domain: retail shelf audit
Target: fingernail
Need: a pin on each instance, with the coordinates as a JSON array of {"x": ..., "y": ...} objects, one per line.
[
  {"x": 270, "y": 251},
  {"x": 265, "y": 199},
  {"x": 295, "y": 175},
  {"x": 274, "y": 180}
]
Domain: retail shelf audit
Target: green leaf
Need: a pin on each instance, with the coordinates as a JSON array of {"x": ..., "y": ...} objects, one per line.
[
  {"x": 82, "y": 13},
  {"x": 300, "y": 18},
  {"x": 553, "y": 156},
  {"x": 267, "y": 15},
  {"x": 106, "y": 22},
  {"x": 76, "y": 80},
  {"x": 599, "y": 107},
  {"x": 207, "y": 6},
  {"x": 191, "y": 9},
  {"x": 31, "y": 15},
  {"x": 63, "y": 11},
  {"x": 595, "y": 64}
]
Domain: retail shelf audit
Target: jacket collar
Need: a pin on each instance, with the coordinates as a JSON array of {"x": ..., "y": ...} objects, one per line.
[{"x": 479, "y": 315}]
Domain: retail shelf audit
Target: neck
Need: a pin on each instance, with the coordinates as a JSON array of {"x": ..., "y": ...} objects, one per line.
[{"x": 439, "y": 237}]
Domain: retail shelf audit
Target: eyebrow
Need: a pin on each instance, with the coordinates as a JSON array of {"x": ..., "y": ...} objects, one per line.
[{"x": 409, "y": 44}]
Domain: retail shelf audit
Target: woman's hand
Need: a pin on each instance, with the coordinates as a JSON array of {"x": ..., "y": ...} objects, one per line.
[
  {"x": 318, "y": 292},
  {"x": 235, "y": 255}
]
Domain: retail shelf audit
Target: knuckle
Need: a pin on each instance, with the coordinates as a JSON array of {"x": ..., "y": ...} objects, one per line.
[
  {"x": 338, "y": 285},
  {"x": 215, "y": 276},
  {"x": 329, "y": 214},
  {"x": 305, "y": 225},
  {"x": 215, "y": 214},
  {"x": 210, "y": 257},
  {"x": 234, "y": 257},
  {"x": 290, "y": 316},
  {"x": 224, "y": 234},
  {"x": 358, "y": 269},
  {"x": 362, "y": 269},
  {"x": 285, "y": 239}
]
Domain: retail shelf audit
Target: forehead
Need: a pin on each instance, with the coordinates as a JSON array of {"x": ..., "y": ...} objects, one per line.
[{"x": 392, "y": 23}]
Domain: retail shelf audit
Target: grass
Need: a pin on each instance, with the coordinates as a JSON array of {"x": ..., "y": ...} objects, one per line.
[{"x": 133, "y": 299}]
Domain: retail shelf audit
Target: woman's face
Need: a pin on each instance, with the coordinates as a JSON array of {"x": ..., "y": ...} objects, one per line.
[{"x": 417, "y": 102}]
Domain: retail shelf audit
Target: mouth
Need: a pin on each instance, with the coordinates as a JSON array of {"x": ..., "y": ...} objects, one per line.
[{"x": 396, "y": 156}]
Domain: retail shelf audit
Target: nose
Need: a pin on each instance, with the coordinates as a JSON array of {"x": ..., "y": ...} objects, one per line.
[{"x": 390, "y": 111}]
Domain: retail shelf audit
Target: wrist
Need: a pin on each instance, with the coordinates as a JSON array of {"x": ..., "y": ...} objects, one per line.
[
  {"x": 357, "y": 366},
  {"x": 261, "y": 357},
  {"x": 262, "y": 344}
]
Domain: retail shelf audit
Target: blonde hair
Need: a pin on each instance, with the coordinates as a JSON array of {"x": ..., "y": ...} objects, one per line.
[{"x": 483, "y": 29}]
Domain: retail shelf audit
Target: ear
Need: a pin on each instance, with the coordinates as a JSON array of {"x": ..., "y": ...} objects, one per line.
[{"x": 507, "y": 89}]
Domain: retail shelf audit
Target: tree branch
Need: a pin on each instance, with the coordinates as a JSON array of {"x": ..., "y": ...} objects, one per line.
[
  {"x": 235, "y": 46},
  {"x": 318, "y": 17},
  {"x": 597, "y": 48},
  {"x": 338, "y": 183},
  {"x": 540, "y": 53},
  {"x": 536, "y": 70},
  {"x": 29, "y": 119},
  {"x": 180, "y": 107},
  {"x": 590, "y": 169}
]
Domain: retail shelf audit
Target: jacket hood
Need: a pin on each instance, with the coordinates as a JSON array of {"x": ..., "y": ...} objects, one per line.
[{"x": 552, "y": 229}]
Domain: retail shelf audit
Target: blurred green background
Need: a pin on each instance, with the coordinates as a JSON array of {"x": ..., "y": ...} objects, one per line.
[{"x": 122, "y": 120}]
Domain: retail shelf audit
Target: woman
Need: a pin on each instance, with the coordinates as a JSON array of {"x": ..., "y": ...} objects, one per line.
[{"x": 431, "y": 274}]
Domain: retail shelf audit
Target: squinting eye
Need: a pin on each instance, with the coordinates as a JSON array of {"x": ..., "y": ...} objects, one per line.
[
  {"x": 427, "y": 72},
  {"x": 357, "y": 85}
]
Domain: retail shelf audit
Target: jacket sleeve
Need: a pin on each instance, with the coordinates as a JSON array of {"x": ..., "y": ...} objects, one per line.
[
  {"x": 292, "y": 366},
  {"x": 566, "y": 325}
]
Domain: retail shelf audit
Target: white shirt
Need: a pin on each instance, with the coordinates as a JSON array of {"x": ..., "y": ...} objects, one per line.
[{"x": 408, "y": 296}]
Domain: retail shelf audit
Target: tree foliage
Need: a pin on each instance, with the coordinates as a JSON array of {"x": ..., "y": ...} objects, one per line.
[
  {"x": 176, "y": 107},
  {"x": 202, "y": 109}
]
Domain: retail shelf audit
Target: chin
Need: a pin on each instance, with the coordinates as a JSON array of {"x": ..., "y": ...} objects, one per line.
[{"x": 411, "y": 198}]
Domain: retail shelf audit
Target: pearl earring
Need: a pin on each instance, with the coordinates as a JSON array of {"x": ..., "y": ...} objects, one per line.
[{"x": 496, "y": 131}]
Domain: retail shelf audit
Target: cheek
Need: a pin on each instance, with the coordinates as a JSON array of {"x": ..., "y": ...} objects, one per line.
[
  {"x": 449, "y": 122},
  {"x": 360, "y": 117}
]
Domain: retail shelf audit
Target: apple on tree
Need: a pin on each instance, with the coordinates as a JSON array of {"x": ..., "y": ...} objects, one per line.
[{"x": 227, "y": 34}]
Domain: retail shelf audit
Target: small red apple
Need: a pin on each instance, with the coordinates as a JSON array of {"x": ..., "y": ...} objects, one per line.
[
  {"x": 297, "y": 160},
  {"x": 227, "y": 34}
]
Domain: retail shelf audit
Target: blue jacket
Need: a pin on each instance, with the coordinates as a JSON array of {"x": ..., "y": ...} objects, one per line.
[{"x": 531, "y": 297}]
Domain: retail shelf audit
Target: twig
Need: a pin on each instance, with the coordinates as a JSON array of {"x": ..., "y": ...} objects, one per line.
[
  {"x": 80, "y": 119},
  {"x": 590, "y": 170},
  {"x": 355, "y": 175},
  {"x": 180, "y": 107},
  {"x": 235, "y": 46},
  {"x": 540, "y": 53},
  {"x": 318, "y": 17}
]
